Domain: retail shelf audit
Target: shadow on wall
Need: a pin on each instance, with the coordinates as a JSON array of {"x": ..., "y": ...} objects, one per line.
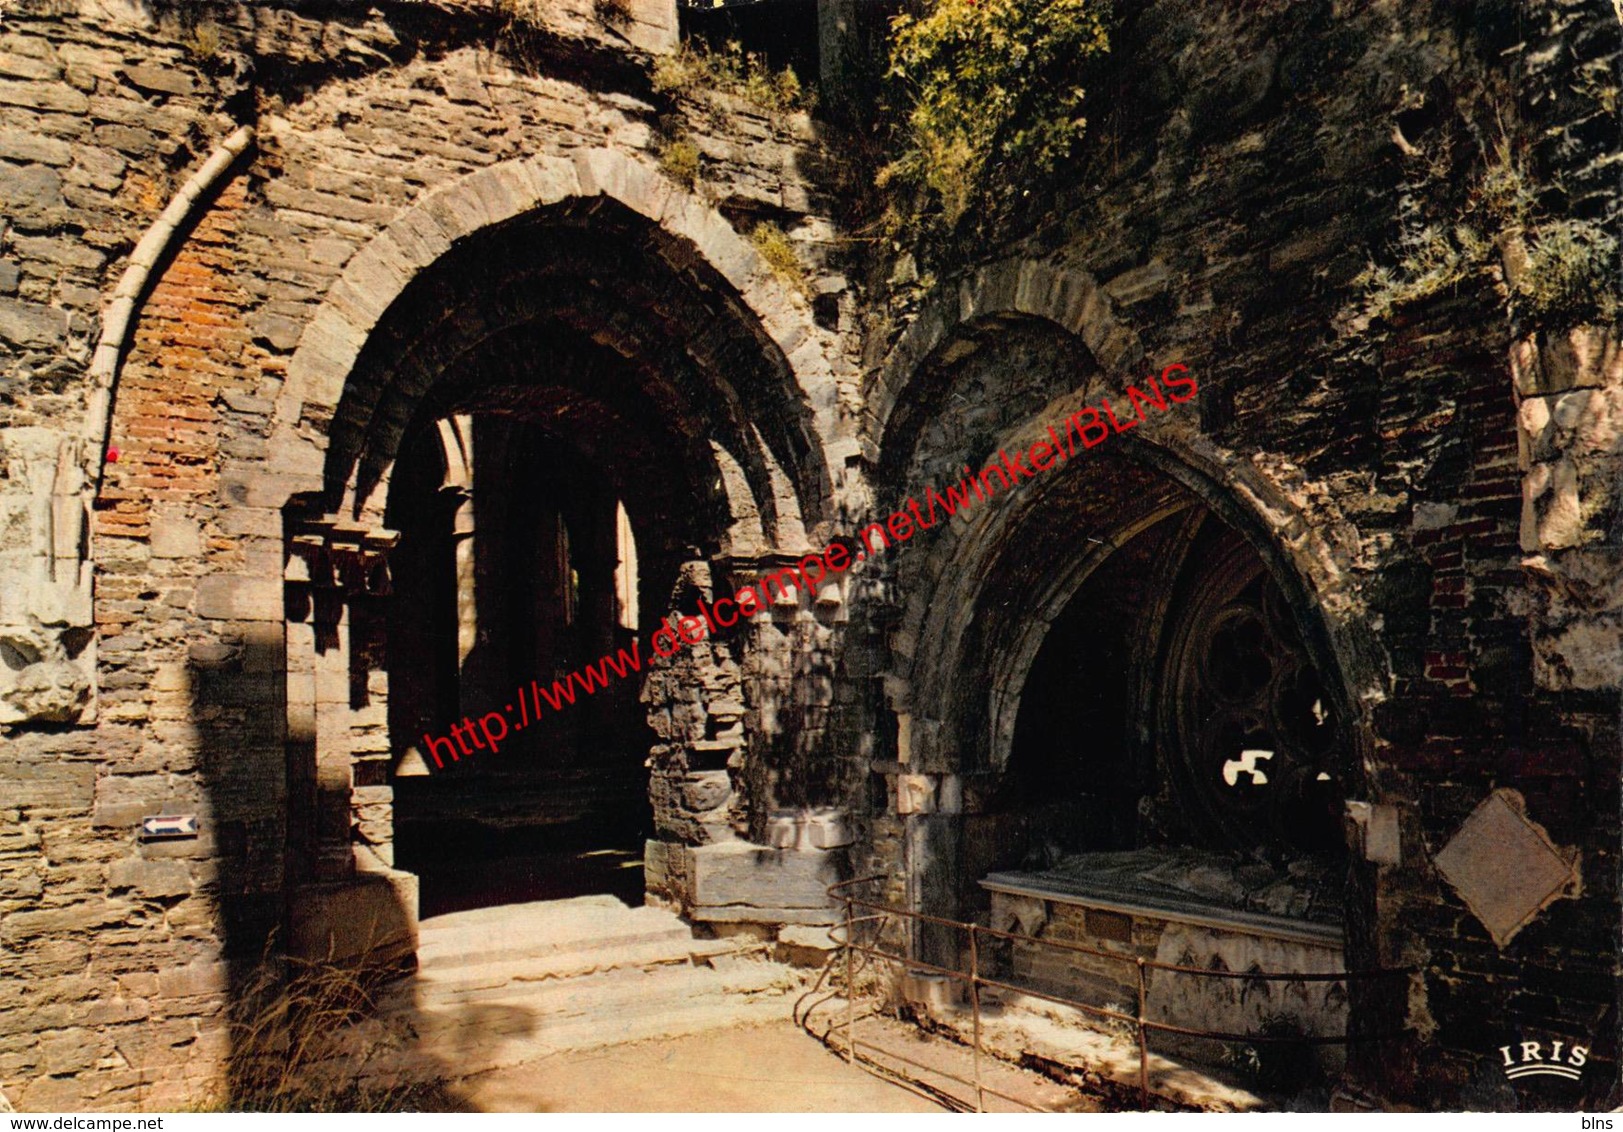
[{"x": 317, "y": 1033}]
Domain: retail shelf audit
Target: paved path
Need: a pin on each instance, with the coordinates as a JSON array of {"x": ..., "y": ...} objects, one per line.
[{"x": 772, "y": 1068}]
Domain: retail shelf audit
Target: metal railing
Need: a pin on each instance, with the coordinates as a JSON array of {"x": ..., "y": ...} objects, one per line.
[{"x": 882, "y": 915}]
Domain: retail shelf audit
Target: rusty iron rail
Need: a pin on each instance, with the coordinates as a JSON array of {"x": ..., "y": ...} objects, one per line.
[{"x": 881, "y": 915}]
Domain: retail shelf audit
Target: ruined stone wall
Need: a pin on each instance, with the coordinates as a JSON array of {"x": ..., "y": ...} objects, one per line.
[
  {"x": 1242, "y": 169},
  {"x": 100, "y": 938},
  {"x": 1459, "y": 544}
]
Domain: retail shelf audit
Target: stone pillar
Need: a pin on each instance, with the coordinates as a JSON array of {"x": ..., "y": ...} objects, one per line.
[
  {"x": 462, "y": 532},
  {"x": 1569, "y": 397},
  {"x": 346, "y": 903},
  {"x": 456, "y": 440},
  {"x": 735, "y": 714}
]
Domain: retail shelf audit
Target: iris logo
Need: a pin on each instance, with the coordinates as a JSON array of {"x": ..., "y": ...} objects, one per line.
[{"x": 1532, "y": 1063}]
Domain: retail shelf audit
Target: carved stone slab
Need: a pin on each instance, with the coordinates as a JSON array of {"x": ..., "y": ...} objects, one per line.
[{"x": 1505, "y": 867}]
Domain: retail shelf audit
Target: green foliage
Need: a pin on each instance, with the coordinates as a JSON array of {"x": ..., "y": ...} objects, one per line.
[
  {"x": 731, "y": 70},
  {"x": 779, "y": 252},
  {"x": 1571, "y": 272},
  {"x": 1557, "y": 269},
  {"x": 679, "y": 158},
  {"x": 1430, "y": 260},
  {"x": 203, "y": 41},
  {"x": 993, "y": 95}
]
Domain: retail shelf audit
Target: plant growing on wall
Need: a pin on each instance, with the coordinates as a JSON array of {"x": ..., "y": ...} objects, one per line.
[
  {"x": 1556, "y": 269},
  {"x": 993, "y": 95},
  {"x": 779, "y": 253},
  {"x": 730, "y": 70}
]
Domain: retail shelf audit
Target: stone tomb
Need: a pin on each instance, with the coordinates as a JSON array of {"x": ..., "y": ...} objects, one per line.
[{"x": 1192, "y": 908}]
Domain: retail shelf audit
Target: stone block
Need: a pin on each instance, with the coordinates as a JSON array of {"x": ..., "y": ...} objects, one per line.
[
  {"x": 706, "y": 790},
  {"x": 199, "y": 977},
  {"x": 31, "y": 324},
  {"x": 369, "y": 285},
  {"x": 71, "y": 1052},
  {"x": 808, "y": 935},
  {"x": 159, "y": 80},
  {"x": 1377, "y": 832},
  {"x": 419, "y": 240},
  {"x": 1139, "y": 283},
  {"x": 27, "y": 146},
  {"x": 1024, "y": 915},
  {"x": 47, "y": 1093},
  {"x": 1552, "y": 516},
  {"x": 739, "y": 881},
  {"x": 131, "y": 140},
  {"x": 931, "y": 991},
  {"x": 651, "y": 25},
  {"x": 264, "y": 489},
  {"x": 805, "y": 945},
  {"x": 1505, "y": 867},
  {"x": 231, "y": 597},
  {"x": 174, "y": 536},
  {"x": 21, "y": 927},
  {"x": 371, "y": 914},
  {"x": 275, "y": 330},
  {"x": 915, "y": 794},
  {"x": 19, "y": 884},
  {"x": 1586, "y": 653},
  {"x": 43, "y": 96},
  {"x": 155, "y": 880}
]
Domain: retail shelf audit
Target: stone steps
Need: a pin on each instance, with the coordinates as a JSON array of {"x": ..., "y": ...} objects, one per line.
[
  {"x": 473, "y": 982},
  {"x": 484, "y": 1044},
  {"x": 616, "y": 1006},
  {"x": 544, "y": 929},
  {"x": 500, "y": 986}
]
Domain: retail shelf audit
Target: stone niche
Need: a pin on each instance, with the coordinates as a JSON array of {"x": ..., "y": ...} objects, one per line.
[{"x": 1219, "y": 912}]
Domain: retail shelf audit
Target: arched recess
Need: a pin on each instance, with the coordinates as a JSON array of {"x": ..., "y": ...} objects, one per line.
[
  {"x": 684, "y": 233},
  {"x": 614, "y": 330},
  {"x": 955, "y": 317},
  {"x": 1031, "y": 551},
  {"x": 977, "y": 597},
  {"x": 995, "y": 360}
]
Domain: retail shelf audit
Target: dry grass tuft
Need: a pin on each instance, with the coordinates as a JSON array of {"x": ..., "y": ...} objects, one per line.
[
  {"x": 294, "y": 1044},
  {"x": 1556, "y": 269}
]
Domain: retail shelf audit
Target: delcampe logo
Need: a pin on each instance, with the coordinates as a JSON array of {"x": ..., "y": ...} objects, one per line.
[{"x": 1533, "y": 1063}]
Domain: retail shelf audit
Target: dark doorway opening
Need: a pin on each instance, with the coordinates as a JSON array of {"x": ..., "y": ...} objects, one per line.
[{"x": 516, "y": 567}]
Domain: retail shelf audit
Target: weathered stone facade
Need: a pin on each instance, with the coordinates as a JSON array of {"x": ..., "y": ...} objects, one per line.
[{"x": 259, "y": 251}]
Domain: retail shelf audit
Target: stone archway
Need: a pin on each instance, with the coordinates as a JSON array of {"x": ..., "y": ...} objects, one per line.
[
  {"x": 980, "y": 598},
  {"x": 320, "y": 371},
  {"x": 622, "y": 323}
]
